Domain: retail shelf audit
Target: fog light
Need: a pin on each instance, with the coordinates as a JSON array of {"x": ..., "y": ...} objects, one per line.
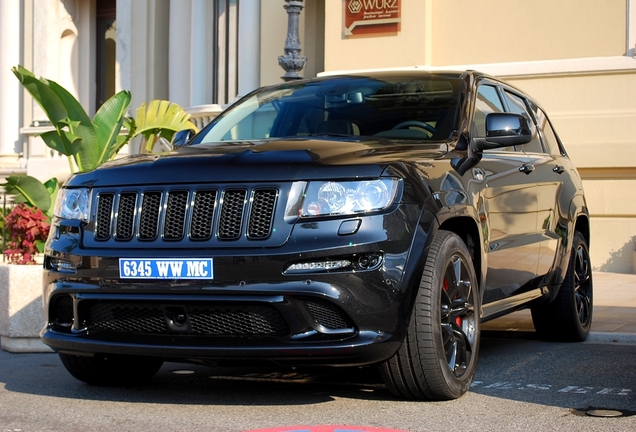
[{"x": 370, "y": 261}]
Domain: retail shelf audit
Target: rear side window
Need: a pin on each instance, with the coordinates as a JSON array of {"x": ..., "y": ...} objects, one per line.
[
  {"x": 517, "y": 105},
  {"x": 550, "y": 139}
]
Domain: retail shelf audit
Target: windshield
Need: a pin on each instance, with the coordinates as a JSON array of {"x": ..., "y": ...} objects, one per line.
[{"x": 400, "y": 108}]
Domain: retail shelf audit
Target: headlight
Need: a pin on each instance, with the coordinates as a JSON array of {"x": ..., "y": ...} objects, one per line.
[
  {"x": 324, "y": 198},
  {"x": 73, "y": 204}
]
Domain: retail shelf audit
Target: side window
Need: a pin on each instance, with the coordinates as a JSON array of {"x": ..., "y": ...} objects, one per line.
[
  {"x": 518, "y": 105},
  {"x": 550, "y": 139},
  {"x": 488, "y": 101}
]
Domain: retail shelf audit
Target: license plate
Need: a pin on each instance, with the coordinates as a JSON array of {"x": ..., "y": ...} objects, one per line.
[{"x": 151, "y": 268}]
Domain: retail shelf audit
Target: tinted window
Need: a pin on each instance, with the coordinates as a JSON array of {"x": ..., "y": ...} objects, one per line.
[
  {"x": 517, "y": 105},
  {"x": 488, "y": 101},
  {"x": 416, "y": 108},
  {"x": 550, "y": 139}
]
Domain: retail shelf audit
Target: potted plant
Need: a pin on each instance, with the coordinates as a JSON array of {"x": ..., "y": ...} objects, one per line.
[
  {"x": 21, "y": 317},
  {"x": 26, "y": 227}
]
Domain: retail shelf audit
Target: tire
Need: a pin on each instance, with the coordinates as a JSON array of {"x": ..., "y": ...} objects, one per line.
[
  {"x": 568, "y": 317},
  {"x": 115, "y": 370},
  {"x": 438, "y": 357}
]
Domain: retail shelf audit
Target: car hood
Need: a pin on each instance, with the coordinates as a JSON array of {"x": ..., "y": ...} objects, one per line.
[{"x": 270, "y": 160}]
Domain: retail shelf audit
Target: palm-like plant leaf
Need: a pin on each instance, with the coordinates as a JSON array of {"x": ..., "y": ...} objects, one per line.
[
  {"x": 45, "y": 97},
  {"x": 28, "y": 190},
  {"x": 107, "y": 123},
  {"x": 161, "y": 116},
  {"x": 52, "y": 187},
  {"x": 89, "y": 143},
  {"x": 62, "y": 141},
  {"x": 81, "y": 126}
]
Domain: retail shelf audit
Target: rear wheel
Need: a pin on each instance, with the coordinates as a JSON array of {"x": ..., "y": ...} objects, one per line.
[
  {"x": 438, "y": 358},
  {"x": 569, "y": 317},
  {"x": 111, "y": 370}
]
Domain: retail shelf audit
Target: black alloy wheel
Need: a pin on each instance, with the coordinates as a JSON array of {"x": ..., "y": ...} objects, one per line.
[
  {"x": 569, "y": 317},
  {"x": 457, "y": 316},
  {"x": 438, "y": 358}
]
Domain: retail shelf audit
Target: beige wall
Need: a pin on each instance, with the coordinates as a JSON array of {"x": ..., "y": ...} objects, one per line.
[
  {"x": 488, "y": 31},
  {"x": 574, "y": 56},
  {"x": 458, "y": 32},
  {"x": 273, "y": 34},
  {"x": 594, "y": 115}
]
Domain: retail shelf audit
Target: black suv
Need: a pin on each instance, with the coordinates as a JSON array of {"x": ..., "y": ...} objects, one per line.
[{"x": 375, "y": 218}]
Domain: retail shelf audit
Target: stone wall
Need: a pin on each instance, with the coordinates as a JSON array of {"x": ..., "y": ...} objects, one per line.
[{"x": 21, "y": 311}]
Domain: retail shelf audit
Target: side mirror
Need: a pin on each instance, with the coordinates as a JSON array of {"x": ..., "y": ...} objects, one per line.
[
  {"x": 503, "y": 130},
  {"x": 181, "y": 138}
]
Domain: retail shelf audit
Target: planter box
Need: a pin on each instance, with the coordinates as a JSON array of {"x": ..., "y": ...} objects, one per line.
[{"x": 21, "y": 312}]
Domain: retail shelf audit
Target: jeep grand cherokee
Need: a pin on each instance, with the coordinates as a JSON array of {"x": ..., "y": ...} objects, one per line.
[{"x": 374, "y": 218}]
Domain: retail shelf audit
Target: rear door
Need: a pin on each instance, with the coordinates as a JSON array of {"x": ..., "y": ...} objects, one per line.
[{"x": 557, "y": 181}]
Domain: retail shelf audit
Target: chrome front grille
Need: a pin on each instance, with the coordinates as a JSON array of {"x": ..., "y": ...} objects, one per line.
[{"x": 173, "y": 215}]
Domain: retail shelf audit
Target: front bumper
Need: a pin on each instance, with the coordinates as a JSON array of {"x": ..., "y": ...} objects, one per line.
[{"x": 251, "y": 311}]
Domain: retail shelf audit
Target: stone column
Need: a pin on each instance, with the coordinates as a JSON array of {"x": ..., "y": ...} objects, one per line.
[
  {"x": 9, "y": 85},
  {"x": 249, "y": 62},
  {"x": 198, "y": 51},
  {"x": 179, "y": 52},
  {"x": 631, "y": 29}
]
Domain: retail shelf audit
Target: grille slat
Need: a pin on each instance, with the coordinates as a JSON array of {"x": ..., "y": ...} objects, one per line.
[
  {"x": 174, "y": 225},
  {"x": 262, "y": 214},
  {"x": 104, "y": 215},
  {"x": 126, "y": 216},
  {"x": 175, "y": 215},
  {"x": 202, "y": 215},
  {"x": 232, "y": 214},
  {"x": 149, "y": 219}
]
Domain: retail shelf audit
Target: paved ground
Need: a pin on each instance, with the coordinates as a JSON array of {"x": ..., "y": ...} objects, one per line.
[{"x": 614, "y": 315}]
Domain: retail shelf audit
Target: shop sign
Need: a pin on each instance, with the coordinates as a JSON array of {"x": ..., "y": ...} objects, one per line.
[{"x": 371, "y": 17}]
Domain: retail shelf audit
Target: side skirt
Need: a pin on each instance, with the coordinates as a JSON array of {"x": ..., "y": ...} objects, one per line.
[{"x": 501, "y": 307}]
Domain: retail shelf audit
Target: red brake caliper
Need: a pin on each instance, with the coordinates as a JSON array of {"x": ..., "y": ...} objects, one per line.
[{"x": 458, "y": 320}]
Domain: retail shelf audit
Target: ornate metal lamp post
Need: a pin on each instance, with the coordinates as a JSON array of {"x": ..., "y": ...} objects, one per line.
[{"x": 292, "y": 61}]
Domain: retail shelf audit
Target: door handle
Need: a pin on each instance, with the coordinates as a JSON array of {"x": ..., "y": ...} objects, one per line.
[
  {"x": 526, "y": 168},
  {"x": 558, "y": 169}
]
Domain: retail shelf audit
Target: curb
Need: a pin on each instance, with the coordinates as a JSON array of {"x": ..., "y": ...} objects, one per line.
[{"x": 611, "y": 338}]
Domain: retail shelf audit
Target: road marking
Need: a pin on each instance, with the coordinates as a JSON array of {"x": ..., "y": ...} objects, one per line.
[{"x": 505, "y": 385}]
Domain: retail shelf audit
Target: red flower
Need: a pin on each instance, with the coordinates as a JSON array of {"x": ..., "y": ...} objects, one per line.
[{"x": 27, "y": 226}]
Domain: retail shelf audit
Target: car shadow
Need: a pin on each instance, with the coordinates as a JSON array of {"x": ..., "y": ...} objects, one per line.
[
  {"x": 513, "y": 365},
  {"x": 44, "y": 374}
]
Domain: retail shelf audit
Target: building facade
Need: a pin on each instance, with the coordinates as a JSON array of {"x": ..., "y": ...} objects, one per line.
[{"x": 577, "y": 57}]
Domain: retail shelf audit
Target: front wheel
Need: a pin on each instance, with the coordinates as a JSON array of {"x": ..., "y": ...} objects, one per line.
[
  {"x": 568, "y": 317},
  {"x": 438, "y": 358},
  {"x": 111, "y": 370}
]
